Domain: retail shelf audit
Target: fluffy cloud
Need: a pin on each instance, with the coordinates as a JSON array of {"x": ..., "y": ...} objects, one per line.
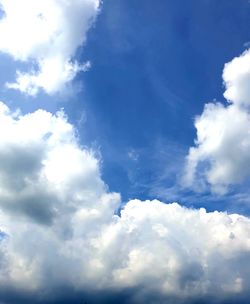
[
  {"x": 61, "y": 237},
  {"x": 221, "y": 155},
  {"x": 46, "y": 33},
  {"x": 236, "y": 76}
]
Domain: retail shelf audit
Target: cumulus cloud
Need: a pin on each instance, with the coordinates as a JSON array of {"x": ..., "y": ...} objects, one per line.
[
  {"x": 46, "y": 34},
  {"x": 220, "y": 157},
  {"x": 61, "y": 237},
  {"x": 236, "y": 76}
]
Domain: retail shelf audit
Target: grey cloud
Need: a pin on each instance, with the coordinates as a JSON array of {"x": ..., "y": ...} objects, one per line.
[{"x": 62, "y": 241}]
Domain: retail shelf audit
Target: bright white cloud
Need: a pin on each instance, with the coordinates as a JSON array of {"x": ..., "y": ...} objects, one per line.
[
  {"x": 236, "y": 76},
  {"x": 220, "y": 157},
  {"x": 45, "y": 33},
  {"x": 41, "y": 162},
  {"x": 61, "y": 228}
]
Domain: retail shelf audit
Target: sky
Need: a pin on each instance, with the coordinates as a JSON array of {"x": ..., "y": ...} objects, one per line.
[
  {"x": 167, "y": 62},
  {"x": 124, "y": 151}
]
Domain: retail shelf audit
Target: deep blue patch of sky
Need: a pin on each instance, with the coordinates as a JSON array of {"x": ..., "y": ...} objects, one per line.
[{"x": 155, "y": 64}]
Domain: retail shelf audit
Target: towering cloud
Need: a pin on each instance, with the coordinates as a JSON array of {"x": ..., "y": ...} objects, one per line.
[
  {"x": 46, "y": 35},
  {"x": 61, "y": 235},
  {"x": 221, "y": 155}
]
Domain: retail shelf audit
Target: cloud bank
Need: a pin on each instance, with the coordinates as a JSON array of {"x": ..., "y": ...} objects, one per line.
[
  {"x": 62, "y": 239},
  {"x": 46, "y": 35},
  {"x": 220, "y": 157}
]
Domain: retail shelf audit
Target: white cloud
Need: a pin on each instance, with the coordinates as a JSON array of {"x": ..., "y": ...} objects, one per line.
[
  {"x": 61, "y": 231},
  {"x": 236, "y": 76},
  {"x": 220, "y": 157},
  {"x": 45, "y": 33},
  {"x": 35, "y": 150}
]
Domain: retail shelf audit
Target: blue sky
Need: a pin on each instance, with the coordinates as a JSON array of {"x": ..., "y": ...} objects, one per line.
[
  {"x": 124, "y": 108},
  {"x": 154, "y": 68}
]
